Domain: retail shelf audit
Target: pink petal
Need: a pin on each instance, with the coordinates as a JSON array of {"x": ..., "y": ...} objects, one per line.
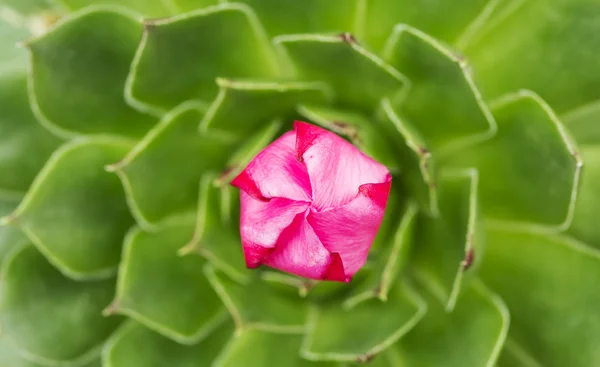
[
  {"x": 335, "y": 167},
  {"x": 300, "y": 252},
  {"x": 275, "y": 172},
  {"x": 350, "y": 229},
  {"x": 261, "y": 224}
]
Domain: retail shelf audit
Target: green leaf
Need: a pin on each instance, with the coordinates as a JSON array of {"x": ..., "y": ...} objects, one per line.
[
  {"x": 357, "y": 334},
  {"x": 240, "y": 106},
  {"x": 258, "y": 348},
  {"x": 544, "y": 276},
  {"x": 134, "y": 345},
  {"x": 391, "y": 260},
  {"x": 553, "y": 54},
  {"x": 29, "y": 7},
  {"x": 254, "y": 305},
  {"x": 189, "y": 5},
  {"x": 332, "y": 59},
  {"x": 26, "y": 146},
  {"x": 450, "y": 246},
  {"x": 307, "y": 16},
  {"x": 10, "y": 357},
  {"x": 445, "y": 20},
  {"x": 12, "y": 56},
  {"x": 50, "y": 318},
  {"x": 75, "y": 212},
  {"x": 419, "y": 171},
  {"x": 10, "y": 236},
  {"x": 583, "y": 124},
  {"x": 87, "y": 58},
  {"x": 164, "y": 291},
  {"x": 437, "y": 75},
  {"x": 529, "y": 171},
  {"x": 585, "y": 218},
  {"x": 472, "y": 335},
  {"x": 358, "y": 128},
  {"x": 160, "y": 174},
  {"x": 174, "y": 64},
  {"x": 214, "y": 238},
  {"x": 154, "y": 8}
]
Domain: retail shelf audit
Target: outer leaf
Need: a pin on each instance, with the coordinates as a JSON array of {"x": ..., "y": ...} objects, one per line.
[
  {"x": 553, "y": 54},
  {"x": 583, "y": 124},
  {"x": 445, "y": 20},
  {"x": 263, "y": 349},
  {"x": 450, "y": 245},
  {"x": 472, "y": 335},
  {"x": 536, "y": 161},
  {"x": 75, "y": 212},
  {"x": 533, "y": 272},
  {"x": 154, "y": 8},
  {"x": 438, "y": 76},
  {"x": 32, "y": 290},
  {"x": 161, "y": 173},
  {"x": 86, "y": 57},
  {"x": 585, "y": 220},
  {"x": 188, "y": 5},
  {"x": 241, "y": 106},
  {"x": 179, "y": 58},
  {"x": 30, "y": 7},
  {"x": 25, "y": 144},
  {"x": 12, "y": 56},
  {"x": 363, "y": 331},
  {"x": 164, "y": 291},
  {"x": 333, "y": 58},
  {"x": 307, "y": 16},
  {"x": 361, "y": 131},
  {"x": 10, "y": 237},
  {"x": 419, "y": 170},
  {"x": 274, "y": 313},
  {"x": 9, "y": 357},
  {"x": 134, "y": 345}
]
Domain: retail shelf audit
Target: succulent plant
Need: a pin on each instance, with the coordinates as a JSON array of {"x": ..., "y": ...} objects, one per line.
[{"x": 123, "y": 124}]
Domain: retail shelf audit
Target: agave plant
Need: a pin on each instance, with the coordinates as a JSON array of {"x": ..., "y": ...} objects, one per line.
[{"x": 123, "y": 124}]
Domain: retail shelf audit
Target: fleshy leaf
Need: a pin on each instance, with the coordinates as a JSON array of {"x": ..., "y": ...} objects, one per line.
[
  {"x": 391, "y": 260},
  {"x": 179, "y": 58},
  {"x": 29, "y": 7},
  {"x": 585, "y": 219},
  {"x": 10, "y": 357},
  {"x": 553, "y": 55},
  {"x": 419, "y": 171},
  {"x": 160, "y": 174},
  {"x": 10, "y": 236},
  {"x": 307, "y": 16},
  {"x": 134, "y": 345},
  {"x": 547, "y": 277},
  {"x": 472, "y": 335},
  {"x": 536, "y": 161},
  {"x": 358, "y": 334},
  {"x": 438, "y": 76},
  {"x": 31, "y": 290},
  {"x": 357, "y": 127},
  {"x": 258, "y": 348},
  {"x": 445, "y": 20},
  {"x": 449, "y": 246},
  {"x": 583, "y": 124},
  {"x": 153, "y": 8},
  {"x": 86, "y": 57},
  {"x": 332, "y": 59},
  {"x": 213, "y": 237},
  {"x": 241, "y": 106},
  {"x": 189, "y": 5},
  {"x": 26, "y": 146},
  {"x": 75, "y": 212},
  {"x": 13, "y": 57},
  {"x": 164, "y": 291},
  {"x": 275, "y": 312}
]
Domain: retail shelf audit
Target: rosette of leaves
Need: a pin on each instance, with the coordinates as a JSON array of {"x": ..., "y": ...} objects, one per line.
[{"x": 123, "y": 122}]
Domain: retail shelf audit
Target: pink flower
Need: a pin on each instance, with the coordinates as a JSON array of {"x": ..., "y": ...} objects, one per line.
[{"x": 311, "y": 205}]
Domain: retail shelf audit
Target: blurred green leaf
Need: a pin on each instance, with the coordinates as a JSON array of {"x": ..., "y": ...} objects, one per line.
[
  {"x": 583, "y": 124},
  {"x": 332, "y": 59},
  {"x": 10, "y": 236},
  {"x": 13, "y": 57},
  {"x": 50, "y": 318},
  {"x": 86, "y": 58},
  {"x": 164, "y": 291},
  {"x": 529, "y": 171},
  {"x": 585, "y": 220},
  {"x": 152, "y": 8},
  {"x": 134, "y": 345},
  {"x": 549, "y": 284},
  {"x": 75, "y": 212},
  {"x": 180, "y": 58}
]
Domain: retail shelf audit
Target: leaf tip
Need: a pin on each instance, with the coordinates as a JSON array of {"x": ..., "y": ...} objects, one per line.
[{"x": 111, "y": 309}]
